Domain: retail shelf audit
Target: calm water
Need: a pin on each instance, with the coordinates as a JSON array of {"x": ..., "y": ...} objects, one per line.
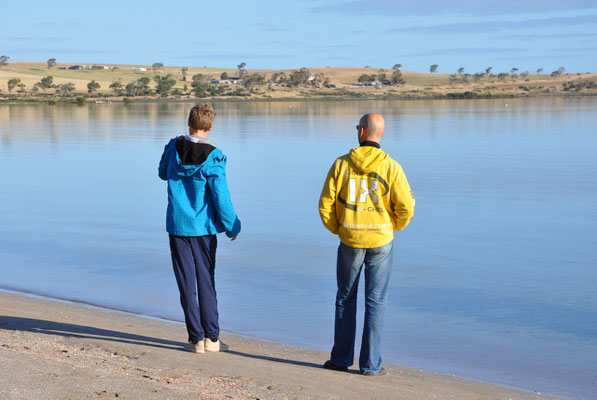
[{"x": 494, "y": 279}]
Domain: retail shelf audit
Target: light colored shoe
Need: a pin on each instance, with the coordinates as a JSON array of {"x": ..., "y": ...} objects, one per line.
[
  {"x": 215, "y": 346},
  {"x": 198, "y": 347},
  {"x": 381, "y": 372}
]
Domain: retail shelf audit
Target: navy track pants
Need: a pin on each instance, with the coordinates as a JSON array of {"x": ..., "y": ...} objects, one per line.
[{"x": 194, "y": 263}]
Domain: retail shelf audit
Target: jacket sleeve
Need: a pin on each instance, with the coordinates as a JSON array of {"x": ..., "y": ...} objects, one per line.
[
  {"x": 402, "y": 200},
  {"x": 163, "y": 168},
  {"x": 327, "y": 201},
  {"x": 216, "y": 179}
]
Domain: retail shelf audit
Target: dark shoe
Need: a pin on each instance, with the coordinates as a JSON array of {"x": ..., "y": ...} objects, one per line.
[
  {"x": 330, "y": 365},
  {"x": 381, "y": 372}
]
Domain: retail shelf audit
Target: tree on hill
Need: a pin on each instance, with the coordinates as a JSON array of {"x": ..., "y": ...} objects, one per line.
[
  {"x": 184, "y": 73},
  {"x": 241, "y": 69},
  {"x": 502, "y": 76},
  {"x": 363, "y": 78},
  {"x": 252, "y": 80},
  {"x": 92, "y": 86},
  {"x": 164, "y": 84},
  {"x": 299, "y": 78},
  {"x": 144, "y": 81},
  {"x": 117, "y": 87},
  {"x": 397, "y": 66},
  {"x": 46, "y": 82},
  {"x": 320, "y": 80},
  {"x": 279, "y": 78},
  {"x": 4, "y": 60},
  {"x": 524, "y": 75},
  {"x": 488, "y": 71},
  {"x": 558, "y": 72},
  {"x": 460, "y": 71},
  {"x": 539, "y": 70},
  {"x": 13, "y": 83},
  {"x": 224, "y": 75},
  {"x": 51, "y": 63},
  {"x": 202, "y": 89},
  {"x": 157, "y": 67},
  {"x": 433, "y": 68},
  {"x": 65, "y": 88},
  {"x": 397, "y": 78},
  {"x": 140, "y": 87},
  {"x": 199, "y": 78}
]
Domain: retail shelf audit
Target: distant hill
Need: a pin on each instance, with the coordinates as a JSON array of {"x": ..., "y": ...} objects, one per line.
[{"x": 341, "y": 82}]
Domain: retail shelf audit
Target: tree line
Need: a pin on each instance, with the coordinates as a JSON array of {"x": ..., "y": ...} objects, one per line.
[
  {"x": 395, "y": 78},
  {"x": 47, "y": 83},
  {"x": 461, "y": 77},
  {"x": 246, "y": 83}
]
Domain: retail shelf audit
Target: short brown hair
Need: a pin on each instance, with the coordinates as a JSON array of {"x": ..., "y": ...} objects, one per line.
[{"x": 201, "y": 117}]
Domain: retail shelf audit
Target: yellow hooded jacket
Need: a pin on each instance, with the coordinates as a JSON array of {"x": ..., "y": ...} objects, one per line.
[{"x": 366, "y": 198}]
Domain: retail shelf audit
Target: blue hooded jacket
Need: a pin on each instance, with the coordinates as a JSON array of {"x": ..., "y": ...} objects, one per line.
[{"x": 198, "y": 198}]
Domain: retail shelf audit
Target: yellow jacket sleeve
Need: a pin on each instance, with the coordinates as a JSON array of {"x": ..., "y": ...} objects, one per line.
[
  {"x": 402, "y": 200},
  {"x": 327, "y": 201}
]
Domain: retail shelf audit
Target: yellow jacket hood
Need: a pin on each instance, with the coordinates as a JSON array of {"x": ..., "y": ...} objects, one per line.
[{"x": 366, "y": 158}]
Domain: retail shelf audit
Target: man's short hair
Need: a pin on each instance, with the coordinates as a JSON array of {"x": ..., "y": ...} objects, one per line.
[{"x": 201, "y": 117}]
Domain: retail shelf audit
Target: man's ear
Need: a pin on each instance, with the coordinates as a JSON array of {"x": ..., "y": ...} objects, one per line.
[{"x": 362, "y": 135}]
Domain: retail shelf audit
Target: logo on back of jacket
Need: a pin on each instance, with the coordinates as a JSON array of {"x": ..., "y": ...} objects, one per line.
[{"x": 359, "y": 188}]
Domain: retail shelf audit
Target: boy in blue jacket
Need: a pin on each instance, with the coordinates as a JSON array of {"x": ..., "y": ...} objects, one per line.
[{"x": 199, "y": 207}]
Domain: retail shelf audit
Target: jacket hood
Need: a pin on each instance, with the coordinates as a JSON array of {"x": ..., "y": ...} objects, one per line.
[
  {"x": 216, "y": 156},
  {"x": 366, "y": 158}
]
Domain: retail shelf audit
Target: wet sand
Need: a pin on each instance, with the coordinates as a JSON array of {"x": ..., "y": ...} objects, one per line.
[{"x": 59, "y": 350}]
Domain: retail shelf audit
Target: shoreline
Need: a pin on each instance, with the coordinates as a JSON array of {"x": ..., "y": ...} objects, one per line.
[
  {"x": 77, "y": 350},
  {"x": 452, "y": 96}
]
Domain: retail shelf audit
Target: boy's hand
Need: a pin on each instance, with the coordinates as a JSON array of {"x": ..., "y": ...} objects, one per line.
[{"x": 234, "y": 238}]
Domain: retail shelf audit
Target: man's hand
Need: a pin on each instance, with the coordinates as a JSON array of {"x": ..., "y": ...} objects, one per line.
[{"x": 234, "y": 238}]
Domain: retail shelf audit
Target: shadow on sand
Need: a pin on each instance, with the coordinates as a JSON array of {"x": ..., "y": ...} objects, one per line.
[
  {"x": 83, "y": 332},
  {"x": 88, "y": 332},
  {"x": 285, "y": 361}
]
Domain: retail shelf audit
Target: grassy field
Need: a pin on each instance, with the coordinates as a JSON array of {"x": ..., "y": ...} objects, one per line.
[{"x": 417, "y": 84}]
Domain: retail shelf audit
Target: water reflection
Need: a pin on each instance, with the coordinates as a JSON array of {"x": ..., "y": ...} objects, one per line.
[{"x": 114, "y": 119}]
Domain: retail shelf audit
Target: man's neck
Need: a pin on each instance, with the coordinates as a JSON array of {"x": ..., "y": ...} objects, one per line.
[{"x": 199, "y": 133}]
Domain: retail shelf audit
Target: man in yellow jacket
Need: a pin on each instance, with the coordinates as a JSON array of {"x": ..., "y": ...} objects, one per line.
[{"x": 365, "y": 199}]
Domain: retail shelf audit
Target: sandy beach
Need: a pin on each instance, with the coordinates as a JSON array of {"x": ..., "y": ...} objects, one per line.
[{"x": 60, "y": 350}]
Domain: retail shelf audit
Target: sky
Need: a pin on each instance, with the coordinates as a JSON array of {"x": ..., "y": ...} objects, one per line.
[{"x": 280, "y": 34}]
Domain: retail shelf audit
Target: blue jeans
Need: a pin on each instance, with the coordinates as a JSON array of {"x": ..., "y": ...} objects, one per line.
[{"x": 378, "y": 265}]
